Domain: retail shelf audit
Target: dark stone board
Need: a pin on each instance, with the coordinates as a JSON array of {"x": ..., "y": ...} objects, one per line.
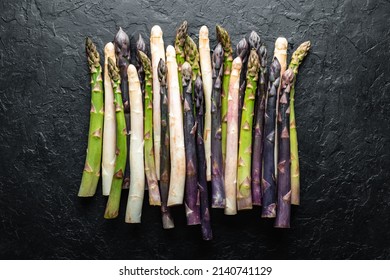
[{"x": 342, "y": 112}]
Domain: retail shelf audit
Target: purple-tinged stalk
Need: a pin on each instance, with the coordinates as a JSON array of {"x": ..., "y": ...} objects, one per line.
[
  {"x": 141, "y": 46},
  {"x": 268, "y": 183},
  {"x": 283, "y": 208},
  {"x": 122, "y": 53},
  {"x": 207, "y": 233},
  {"x": 257, "y": 150},
  {"x": 217, "y": 181},
  {"x": 242, "y": 51},
  {"x": 232, "y": 139},
  {"x": 91, "y": 172},
  {"x": 191, "y": 184},
  {"x": 167, "y": 219}
]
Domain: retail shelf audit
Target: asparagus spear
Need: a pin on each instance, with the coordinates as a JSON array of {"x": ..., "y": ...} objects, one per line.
[
  {"x": 244, "y": 196},
  {"x": 150, "y": 169},
  {"x": 137, "y": 180},
  {"x": 122, "y": 52},
  {"x": 207, "y": 233},
  {"x": 178, "y": 159},
  {"x": 224, "y": 39},
  {"x": 158, "y": 52},
  {"x": 207, "y": 77},
  {"x": 192, "y": 56},
  {"x": 296, "y": 60},
  {"x": 167, "y": 219},
  {"x": 109, "y": 134},
  {"x": 257, "y": 151},
  {"x": 141, "y": 46},
  {"x": 283, "y": 208},
  {"x": 268, "y": 176},
  {"x": 191, "y": 184},
  {"x": 232, "y": 139},
  {"x": 112, "y": 207},
  {"x": 243, "y": 50},
  {"x": 217, "y": 182},
  {"x": 181, "y": 35},
  {"x": 280, "y": 53},
  {"x": 91, "y": 172}
]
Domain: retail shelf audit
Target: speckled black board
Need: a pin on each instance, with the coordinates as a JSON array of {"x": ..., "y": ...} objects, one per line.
[{"x": 342, "y": 112}]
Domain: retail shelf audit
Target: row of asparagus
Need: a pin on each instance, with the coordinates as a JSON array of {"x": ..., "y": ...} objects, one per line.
[{"x": 186, "y": 117}]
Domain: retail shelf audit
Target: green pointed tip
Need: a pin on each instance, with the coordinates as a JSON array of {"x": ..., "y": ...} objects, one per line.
[
  {"x": 253, "y": 64},
  {"x": 224, "y": 39},
  {"x": 298, "y": 55},
  {"x": 92, "y": 54},
  {"x": 181, "y": 35},
  {"x": 113, "y": 70}
]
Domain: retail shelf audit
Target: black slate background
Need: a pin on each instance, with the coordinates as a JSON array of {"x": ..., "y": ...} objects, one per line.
[{"x": 342, "y": 104}]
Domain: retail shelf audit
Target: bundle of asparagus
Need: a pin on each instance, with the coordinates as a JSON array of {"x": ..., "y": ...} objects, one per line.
[
  {"x": 167, "y": 219},
  {"x": 112, "y": 207},
  {"x": 200, "y": 148},
  {"x": 244, "y": 195},
  {"x": 91, "y": 172},
  {"x": 296, "y": 60},
  {"x": 137, "y": 180},
  {"x": 191, "y": 184},
  {"x": 122, "y": 52},
  {"x": 217, "y": 182},
  {"x": 224, "y": 40},
  {"x": 150, "y": 169},
  {"x": 284, "y": 184},
  {"x": 268, "y": 176}
]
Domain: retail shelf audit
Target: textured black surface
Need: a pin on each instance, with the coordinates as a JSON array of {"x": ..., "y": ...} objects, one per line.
[{"x": 342, "y": 112}]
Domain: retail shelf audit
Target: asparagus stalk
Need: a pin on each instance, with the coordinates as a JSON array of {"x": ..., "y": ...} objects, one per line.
[
  {"x": 268, "y": 176},
  {"x": 280, "y": 53},
  {"x": 207, "y": 77},
  {"x": 141, "y": 46},
  {"x": 109, "y": 134},
  {"x": 257, "y": 151},
  {"x": 167, "y": 219},
  {"x": 91, "y": 172},
  {"x": 137, "y": 180},
  {"x": 112, "y": 207},
  {"x": 224, "y": 39},
  {"x": 243, "y": 50},
  {"x": 158, "y": 52},
  {"x": 283, "y": 208},
  {"x": 150, "y": 169},
  {"x": 191, "y": 183},
  {"x": 181, "y": 35},
  {"x": 296, "y": 60},
  {"x": 192, "y": 56},
  {"x": 217, "y": 182},
  {"x": 207, "y": 233},
  {"x": 178, "y": 159},
  {"x": 122, "y": 52},
  {"x": 244, "y": 195},
  {"x": 232, "y": 139}
]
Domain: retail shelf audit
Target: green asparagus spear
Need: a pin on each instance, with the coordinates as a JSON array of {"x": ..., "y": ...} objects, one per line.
[
  {"x": 112, "y": 207},
  {"x": 296, "y": 60},
  {"x": 192, "y": 56},
  {"x": 150, "y": 169},
  {"x": 181, "y": 35},
  {"x": 224, "y": 39},
  {"x": 91, "y": 172},
  {"x": 244, "y": 196}
]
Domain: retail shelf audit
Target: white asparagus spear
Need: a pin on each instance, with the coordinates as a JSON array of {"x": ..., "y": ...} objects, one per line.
[
  {"x": 109, "y": 131},
  {"x": 207, "y": 77},
  {"x": 280, "y": 52},
  {"x": 176, "y": 133},
  {"x": 158, "y": 52},
  {"x": 137, "y": 179},
  {"x": 232, "y": 139}
]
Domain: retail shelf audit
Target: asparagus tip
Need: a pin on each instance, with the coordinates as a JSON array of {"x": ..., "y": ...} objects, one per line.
[
  {"x": 122, "y": 44},
  {"x": 141, "y": 44},
  {"x": 254, "y": 40},
  {"x": 218, "y": 56},
  {"x": 161, "y": 72},
  {"x": 242, "y": 48},
  {"x": 113, "y": 70},
  {"x": 203, "y": 32},
  {"x": 92, "y": 53},
  {"x": 274, "y": 72},
  {"x": 186, "y": 71},
  {"x": 156, "y": 31},
  {"x": 281, "y": 43}
]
